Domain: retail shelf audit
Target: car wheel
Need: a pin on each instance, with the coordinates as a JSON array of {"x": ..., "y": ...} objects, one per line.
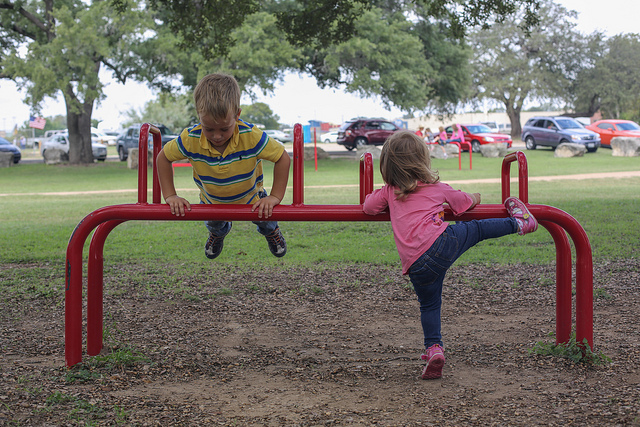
[
  {"x": 326, "y": 141},
  {"x": 475, "y": 146},
  {"x": 360, "y": 142},
  {"x": 530, "y": 143},
  {"x": 121, "y": 154},
  {"x": 592, "y": 150}
]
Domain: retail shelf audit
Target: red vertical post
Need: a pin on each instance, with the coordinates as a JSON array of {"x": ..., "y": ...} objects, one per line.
[
  {"x": 366, "y": 176},
  {"x": 95, "y": 285},
  {"x": 298, "y": 165},
  {"x": 315, "y": 149}
]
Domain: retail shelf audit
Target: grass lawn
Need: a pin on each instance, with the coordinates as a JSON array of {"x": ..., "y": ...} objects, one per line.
[{"x": 40, "y": 207}]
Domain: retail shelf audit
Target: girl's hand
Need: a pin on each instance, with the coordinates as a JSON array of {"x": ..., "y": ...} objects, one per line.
[
  {"x": 265, "y": 206},
  {"x": 178, "y": 205}
]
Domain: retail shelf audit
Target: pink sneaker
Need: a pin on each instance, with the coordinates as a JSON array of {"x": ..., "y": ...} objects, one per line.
[
  {"x": 435, "y": 362},
  {"x": 518, "y": 211}
]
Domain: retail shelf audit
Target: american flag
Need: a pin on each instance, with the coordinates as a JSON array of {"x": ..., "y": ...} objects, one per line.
[{"x": 37, "y": 122}]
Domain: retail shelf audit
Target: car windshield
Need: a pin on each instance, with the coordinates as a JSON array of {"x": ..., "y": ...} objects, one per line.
[
  {"x": 628, "y": 126},
  {"x": 4, "y": 142},
  {"x": 568, "y": 124},
  {"x": 478, "y": 129}
]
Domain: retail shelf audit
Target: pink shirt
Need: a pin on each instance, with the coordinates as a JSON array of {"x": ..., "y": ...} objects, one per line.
[
  {"x": 417, "y": 220},
  {"x": 459, "y": 134}
]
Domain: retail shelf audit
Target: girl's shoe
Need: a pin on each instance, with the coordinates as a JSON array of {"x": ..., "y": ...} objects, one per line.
[
  {"x": 435, "y": 362},
  {"x": 518, "y": 211}
]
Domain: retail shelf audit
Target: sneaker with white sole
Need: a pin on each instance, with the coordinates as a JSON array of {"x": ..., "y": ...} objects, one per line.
[
  {"x": 518, "y": 211},
  {"x": 435, "y": 362},
  {"x": 214, "y": 246},
  {"x": 277, "y": 244}
]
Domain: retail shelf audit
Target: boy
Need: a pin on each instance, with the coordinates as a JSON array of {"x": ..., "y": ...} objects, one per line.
[{"x": 226, "y": 154}]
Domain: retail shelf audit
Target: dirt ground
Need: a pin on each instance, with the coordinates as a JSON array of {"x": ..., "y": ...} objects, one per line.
[{"x": 324, "y": 346}]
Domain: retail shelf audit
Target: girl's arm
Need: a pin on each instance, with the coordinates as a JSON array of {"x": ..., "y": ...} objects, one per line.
[{"x": 476, "y": 199}]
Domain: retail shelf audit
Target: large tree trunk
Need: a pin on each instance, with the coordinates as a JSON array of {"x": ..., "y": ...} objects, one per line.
[
  {"x": 79, "y": 125},
  {"x": 514, "y": 118}
]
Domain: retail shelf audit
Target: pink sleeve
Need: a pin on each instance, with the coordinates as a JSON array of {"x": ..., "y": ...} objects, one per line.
[
  {"x": 376, "y": 202},
  {"x": 458, "y": 201}
]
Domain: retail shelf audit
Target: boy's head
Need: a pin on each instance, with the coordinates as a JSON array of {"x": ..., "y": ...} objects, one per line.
[{"x": 217, "y": 96}]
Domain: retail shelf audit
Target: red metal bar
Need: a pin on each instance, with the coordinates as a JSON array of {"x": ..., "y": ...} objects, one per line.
[
  {"x": 143, "y": 150},
  {"x": 523, "y": 176},
  {"x": 563, "y": 281},
  {"x": 95, "y": 286},
  {"x": 106, "y": 218},
  {"x": 366, "y": 175},
  {"x": 315, "y": 149},
  {"x": 298, "y": 165},
  {"x": 459, "y": 152}
]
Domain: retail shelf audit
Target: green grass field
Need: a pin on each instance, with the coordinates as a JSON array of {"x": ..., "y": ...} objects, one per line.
[{"x": 42, "y": 204}]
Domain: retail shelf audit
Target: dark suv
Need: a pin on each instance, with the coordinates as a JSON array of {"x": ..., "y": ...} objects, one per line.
[
  {"x": 358, "y": 132},
  {"x": 129, "y": 139},
  {"x": 553, "y": 131}
]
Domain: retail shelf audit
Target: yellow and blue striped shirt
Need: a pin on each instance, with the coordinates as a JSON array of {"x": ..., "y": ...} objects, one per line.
[{"x": 234, "y": 176}]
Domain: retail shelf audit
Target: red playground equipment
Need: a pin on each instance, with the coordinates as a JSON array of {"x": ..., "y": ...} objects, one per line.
[{"x": 105, "y": 219}]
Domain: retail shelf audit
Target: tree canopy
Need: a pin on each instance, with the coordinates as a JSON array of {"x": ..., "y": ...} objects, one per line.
[
  {"x": 411, "y": 53},
  {"x": 511, "y": 66}
]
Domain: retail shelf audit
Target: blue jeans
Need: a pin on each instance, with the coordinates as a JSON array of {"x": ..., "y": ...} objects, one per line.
[
  {"x": 222, "y": 228},
  {"x": 427, "y": 273}
]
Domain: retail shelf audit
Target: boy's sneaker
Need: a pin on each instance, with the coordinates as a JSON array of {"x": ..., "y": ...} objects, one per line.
[
  {"x": 214, "y": 245},
  {"x": 435, "y": 362},
  {"x": 518, "y": 211},
  {"x": 277, "y": 244}
]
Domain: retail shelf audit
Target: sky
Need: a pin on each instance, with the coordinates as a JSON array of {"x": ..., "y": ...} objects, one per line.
[{"x": 298, "y": 99}]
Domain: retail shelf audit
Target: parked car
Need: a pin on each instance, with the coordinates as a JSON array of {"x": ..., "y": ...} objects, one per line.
[
  {"x": 478, "y": 134},
  {"x": 359, "y": 132},
  {"x": 608, "y": 129},
  {"x": 8, "y": 147},
  {"x": 131, "y": 135},
  {"x": 553, "y": 131},
  {"x": 278, "y": 135},
  {"x": 102, "y": 137},
  {"x": 61, "y": 141},
  {"x": 329, "y": 137},
  {"x": 493, "y": 126}
]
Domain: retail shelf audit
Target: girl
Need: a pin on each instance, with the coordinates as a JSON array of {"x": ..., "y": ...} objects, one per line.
[{"x": 427, "y": 245}]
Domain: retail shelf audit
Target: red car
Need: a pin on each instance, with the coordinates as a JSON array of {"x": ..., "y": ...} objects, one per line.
[
  {"x": 608, "y": 129},
  {"x": 479, "y": 134}
]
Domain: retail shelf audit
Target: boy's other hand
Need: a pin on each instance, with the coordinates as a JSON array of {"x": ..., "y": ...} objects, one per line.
[
  {"x": 265, "y": 206},
  {"x": 178, "y": 205}
]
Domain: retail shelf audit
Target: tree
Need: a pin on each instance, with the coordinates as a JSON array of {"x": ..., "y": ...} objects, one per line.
[
  {"x": 511, "y": 66},
  {"x": 612, "y": 84},
  {"x": 174, "y": 111},
  {"x": 368, "y": 48},
  {"x": 57, "y": 47},
  {"x": 260, "y": 113}
]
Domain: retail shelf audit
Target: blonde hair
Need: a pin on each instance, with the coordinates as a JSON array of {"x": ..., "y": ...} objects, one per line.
[
  {"x": 217, "y": 95},
  {"x": 405, "y": 161}
]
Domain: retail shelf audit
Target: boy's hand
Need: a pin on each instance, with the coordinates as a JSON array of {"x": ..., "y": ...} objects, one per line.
[
  {"x": 178, "y": 205},
  {"x": 265, "y": 206}
]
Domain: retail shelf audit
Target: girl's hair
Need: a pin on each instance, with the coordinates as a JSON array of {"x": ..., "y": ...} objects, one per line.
[
  {"x": 217, "y": 95},
  {"x": 405, "y": 162},
  {"x": 441, "y": 128}
]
